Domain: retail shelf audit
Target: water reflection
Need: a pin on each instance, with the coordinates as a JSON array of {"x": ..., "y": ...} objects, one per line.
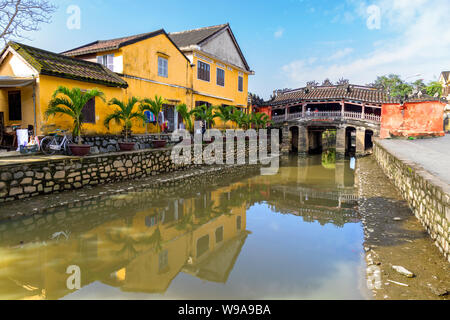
[{"x": 143, "y": 242}]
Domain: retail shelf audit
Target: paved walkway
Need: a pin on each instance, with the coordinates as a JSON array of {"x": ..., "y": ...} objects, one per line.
[
  {"x": 432, "y": 155},
  {"x": 5, "y": 161}
]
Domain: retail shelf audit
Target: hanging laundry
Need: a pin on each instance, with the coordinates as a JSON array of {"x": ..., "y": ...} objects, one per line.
[
  {"x": 149, "y": 116},
  {"x": 161, "y": 118}
]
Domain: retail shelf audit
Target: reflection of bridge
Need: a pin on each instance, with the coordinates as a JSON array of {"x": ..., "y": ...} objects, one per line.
[
  {"x": 354, "y": 112},
  {"x": 344, "y": 195}
]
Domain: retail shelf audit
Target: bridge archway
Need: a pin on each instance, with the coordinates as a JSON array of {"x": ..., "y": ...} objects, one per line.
[
  {"x": 350, "y": 140},
  {"x": 368, "y": 140},
  {"x": 294, "y": 138}
]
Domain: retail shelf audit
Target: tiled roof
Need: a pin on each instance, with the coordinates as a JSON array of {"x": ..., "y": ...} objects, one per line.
[
  {"x": 351, "y": 92},
  {"x": 53, "y": 64},
  {"x": 196, "y": 36},
  {"x": 113, "y": 44},
  {"x": 189, "y": 38}
]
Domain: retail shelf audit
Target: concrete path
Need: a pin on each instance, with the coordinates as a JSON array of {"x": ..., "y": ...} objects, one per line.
[
  {"x": 433, "y": 155},
  {"x": 6, "y": 161}
]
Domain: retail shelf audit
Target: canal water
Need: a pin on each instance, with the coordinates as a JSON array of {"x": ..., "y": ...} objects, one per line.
[{"x": 293, "y": 235}]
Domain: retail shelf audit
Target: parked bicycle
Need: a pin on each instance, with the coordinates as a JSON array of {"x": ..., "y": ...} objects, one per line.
[{"x": 56, "y": 142}]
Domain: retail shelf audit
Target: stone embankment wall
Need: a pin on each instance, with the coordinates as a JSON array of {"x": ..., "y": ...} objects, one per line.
[
  {"x": 19, "y": 181},
  {"x": 427, "y": 196},
  {"x": 110, "y": 143}
]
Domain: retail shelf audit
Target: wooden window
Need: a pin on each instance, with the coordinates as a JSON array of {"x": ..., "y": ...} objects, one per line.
[
  {"x": 89, "y": 112},
  {"x": 163, "y": 67},
  {"x": 163, "y": 261},
  {"x": 15, "y": 106},
  {"x": 219, "y": 235},
  {"x": 241, "y": 84},
  {"x": 203, "y": 72},
  {"x": 220, "y": 77},
  {"x": 202, "y": 245},
  {"x": 107, "y": 60},
  {"x": 202, "y": 103}
]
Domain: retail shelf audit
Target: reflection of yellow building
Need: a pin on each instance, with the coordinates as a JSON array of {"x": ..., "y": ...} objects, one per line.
[
  {"x": 196, "y": 67},
  {"x": 140, "y": 253}
]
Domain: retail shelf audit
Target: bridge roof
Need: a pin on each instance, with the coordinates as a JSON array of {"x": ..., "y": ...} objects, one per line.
[{"x": 336, "y": 92}]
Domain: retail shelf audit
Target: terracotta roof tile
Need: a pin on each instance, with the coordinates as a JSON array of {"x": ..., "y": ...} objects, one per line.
[
  {"x": 194, "y": 37},
  {"x": 351, "y": 92},
  {"x": 113, "y": 44},
  {"x": 53, "y": 64}
]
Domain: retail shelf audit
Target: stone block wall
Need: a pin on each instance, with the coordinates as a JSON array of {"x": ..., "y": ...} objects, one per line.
[
  {"x": 109, "y": 143},
  {"x": 428, "y": 197},
  {"x": 19, "y": 181}
]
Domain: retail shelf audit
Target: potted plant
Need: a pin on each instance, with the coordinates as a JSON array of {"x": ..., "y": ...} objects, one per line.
[
  {"x": 155, "y": 106},
  {"x": 125, "y": 115},
  {"x": 72, "y": 105}
]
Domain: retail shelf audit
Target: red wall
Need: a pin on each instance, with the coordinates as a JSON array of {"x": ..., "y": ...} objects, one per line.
[
  {"x": 413, "y": 119},
  {"x": 266, "y": 110}
]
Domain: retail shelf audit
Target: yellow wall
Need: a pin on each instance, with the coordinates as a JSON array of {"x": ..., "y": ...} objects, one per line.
[
  {"x": 141, "y": 60},
  {"x": 26, "y": 98},
  {"x": 229, "y": 91},
  {"x": 49, "y": 84}
]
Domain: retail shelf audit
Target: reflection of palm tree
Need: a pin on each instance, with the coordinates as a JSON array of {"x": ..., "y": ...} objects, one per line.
[
  {"x": 224, "y": 204},
  {"x": 206, "y": 212},
  {"x": 129, "y": 242}
]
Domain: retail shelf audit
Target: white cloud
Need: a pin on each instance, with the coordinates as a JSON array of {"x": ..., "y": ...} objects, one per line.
[
  {"x": 340, "y": 54},
  {"x": 279, "y": 33},
  {"x": 420, "y": 44}
]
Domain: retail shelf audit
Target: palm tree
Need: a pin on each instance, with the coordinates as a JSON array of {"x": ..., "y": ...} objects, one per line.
[
  {"x": 124, "y": 114},
  {"x": 238, "y": 117},
  {"x": 224, "y": 113},
  {"x": 182, "y": 109},
  {"x": 242, "y": 119},
  {"x": 246, "y": 121},
  {"x": 72, "y": 104},
  {"x": 205, "y": 113},
  {"x": 154, "y": 106},
  {"x": 260, "y": 120}
]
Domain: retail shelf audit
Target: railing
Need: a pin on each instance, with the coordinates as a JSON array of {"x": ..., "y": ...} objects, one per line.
[
  {"x": 278, "y": 119},
  {"x": 327, "y": 115}
]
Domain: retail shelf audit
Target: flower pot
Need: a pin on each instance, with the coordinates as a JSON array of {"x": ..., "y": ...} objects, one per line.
[
  {"x": 159, "y": 143},
  {"x": 80, "y": 150},
  {"x": 126, "y": 146}
]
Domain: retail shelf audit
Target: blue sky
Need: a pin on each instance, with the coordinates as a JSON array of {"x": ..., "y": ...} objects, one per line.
[{"x": 286, "y": 42}]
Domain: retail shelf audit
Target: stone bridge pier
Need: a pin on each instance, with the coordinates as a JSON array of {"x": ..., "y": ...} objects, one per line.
[{"x": 305, "y": 139}]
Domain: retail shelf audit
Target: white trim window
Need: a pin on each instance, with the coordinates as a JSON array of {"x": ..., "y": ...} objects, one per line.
[
  {"x": 107, "y": 60},
  {"x": 163, "y": 67},
  {"x": 220, "y": 77},
  {"x": 203, "y": 71}
]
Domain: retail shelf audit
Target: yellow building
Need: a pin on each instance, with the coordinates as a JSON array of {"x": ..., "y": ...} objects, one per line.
[{"x": 196, "y": 67}]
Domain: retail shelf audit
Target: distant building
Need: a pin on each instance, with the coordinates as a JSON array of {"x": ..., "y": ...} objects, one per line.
[{"x": 444, "y": 79}]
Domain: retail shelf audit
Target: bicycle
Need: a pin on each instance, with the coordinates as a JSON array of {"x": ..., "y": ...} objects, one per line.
[{"x": 56, "y": 143}]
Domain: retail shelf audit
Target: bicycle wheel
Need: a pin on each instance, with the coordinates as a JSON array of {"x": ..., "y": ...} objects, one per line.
[
  {"x": 45, "y": 145},
  {"x": 66, "y": 148}
]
